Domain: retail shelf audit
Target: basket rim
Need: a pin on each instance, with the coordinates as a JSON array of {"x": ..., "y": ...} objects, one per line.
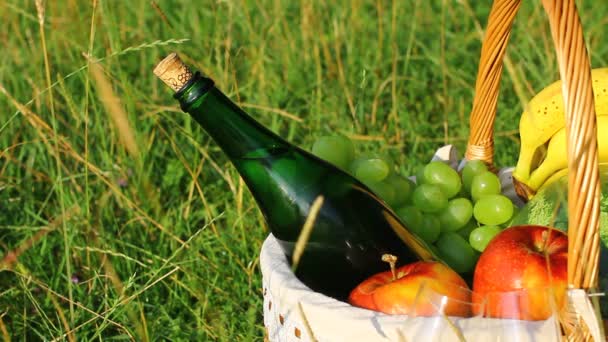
[
  {"x": 273, "y": 261},
  {"x": 285, "y": 288}
]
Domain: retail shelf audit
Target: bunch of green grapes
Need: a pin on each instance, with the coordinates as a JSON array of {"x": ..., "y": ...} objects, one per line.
[
  {"x": 373, "y": 169},
  {"x": 457, "y": 214}
]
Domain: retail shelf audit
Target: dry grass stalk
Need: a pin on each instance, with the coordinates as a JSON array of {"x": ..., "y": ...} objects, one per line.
[
  {"x": 278, "y": 111},
  {"x": 307, "y": 326},
  {"x": 10, "y": 259},
  {"x": 117, "y": 283},
  {"x": 64, "y": 321},
  {"x": 160, "y": 13},
  {"x": 5, "y": 336},
  {"x": 306, "y": 231},
  {"x": 115, "y": 109}
]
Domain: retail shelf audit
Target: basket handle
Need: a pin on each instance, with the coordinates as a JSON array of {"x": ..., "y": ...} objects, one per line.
[{"x": 581, "y": 128}]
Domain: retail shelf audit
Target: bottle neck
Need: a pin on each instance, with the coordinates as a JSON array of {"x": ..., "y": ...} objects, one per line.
[{"x": 238, "y": 134}]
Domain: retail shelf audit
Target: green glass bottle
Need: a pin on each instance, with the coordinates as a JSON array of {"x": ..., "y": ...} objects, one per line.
[{"x": 353, "y": 228}]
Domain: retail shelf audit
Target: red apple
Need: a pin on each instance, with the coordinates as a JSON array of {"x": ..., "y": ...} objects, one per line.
[
  {"x": 400, "y": 292},
  {"x": 522, "y": 271}
]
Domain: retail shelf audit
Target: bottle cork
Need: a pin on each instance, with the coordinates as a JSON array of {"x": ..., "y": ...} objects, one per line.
[{"x": 173, "y": 72}]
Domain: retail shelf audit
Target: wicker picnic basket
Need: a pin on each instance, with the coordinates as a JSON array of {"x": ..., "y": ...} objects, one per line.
[{"x": 292, "y": 312}]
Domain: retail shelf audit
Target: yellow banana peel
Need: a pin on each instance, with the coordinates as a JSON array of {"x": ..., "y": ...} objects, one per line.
[
  {"x": 544, "y": 116},
  {"x": 557, "y": 156}
]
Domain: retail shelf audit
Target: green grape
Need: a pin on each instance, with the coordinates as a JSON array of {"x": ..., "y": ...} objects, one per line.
[
  {"x": 370, "y": 168},
  {"x": 429, "y": 228},
  {"x": 403, "y": 187},
  {"x": 493, "y": 210},
  {"x": 441, "y": 174},
  {"x": 481, "y": 237},
  {"x": 424, "y": 226},
  {"x": 336, "y": 149},
  {"x": 463, "y": 193},
  {"x": 485, "y": 183},
  {"x": 411, "y": 216},
  {"x": 385, "y": 191},
  {"x": 465, "y": 231},
  {"x": 456, "y": 252},
  {"x": 470, "y": 170},
  {"x": 456, "y": 215},
  {"x": 420, "y": 175},
  {"x": 429, "y": 198}
]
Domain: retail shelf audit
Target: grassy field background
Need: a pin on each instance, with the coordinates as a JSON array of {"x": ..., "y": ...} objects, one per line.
[{"x": 121, "y": 220}]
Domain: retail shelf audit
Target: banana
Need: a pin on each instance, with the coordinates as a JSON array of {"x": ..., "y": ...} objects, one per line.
[
  {"x": 556, "y": 159},
  {"x": 544, "y": 116},
  {"x": 563, "y": 172},
  {"x": 554, "y": 177}
]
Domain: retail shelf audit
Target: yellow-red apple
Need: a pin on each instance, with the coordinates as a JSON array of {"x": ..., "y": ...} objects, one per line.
[
  {"x": 522, "y": 273},
  {"x": 412, "y": 290}
]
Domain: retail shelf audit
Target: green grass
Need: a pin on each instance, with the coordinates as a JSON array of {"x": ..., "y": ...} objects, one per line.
[{"x": 147, "y": 232}]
